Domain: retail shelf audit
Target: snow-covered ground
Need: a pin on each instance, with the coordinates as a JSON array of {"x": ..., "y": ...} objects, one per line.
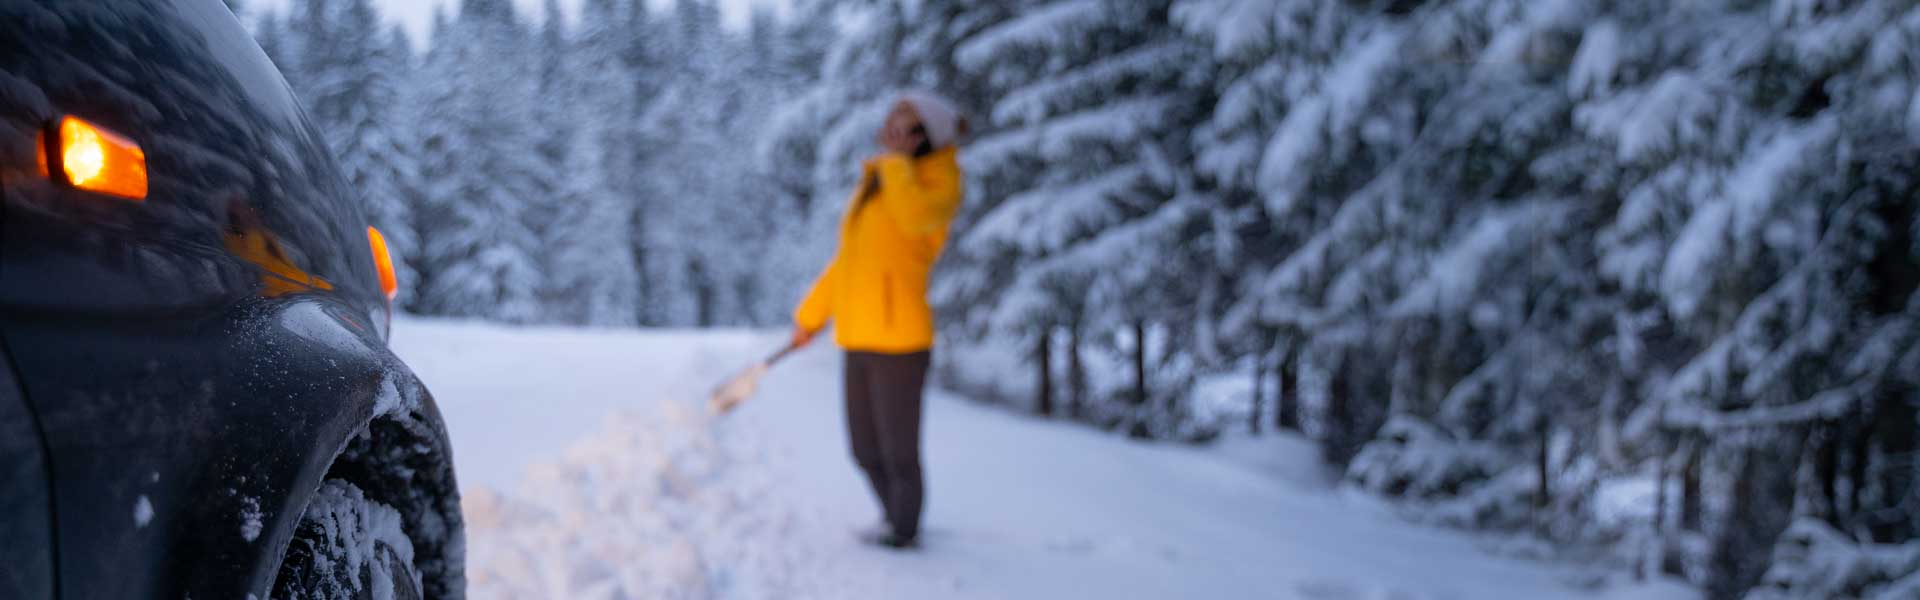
[{"x": 591, "y": 470}]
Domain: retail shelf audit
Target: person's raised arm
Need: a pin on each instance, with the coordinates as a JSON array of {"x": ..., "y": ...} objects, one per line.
[{"x": 920, "y": 203}]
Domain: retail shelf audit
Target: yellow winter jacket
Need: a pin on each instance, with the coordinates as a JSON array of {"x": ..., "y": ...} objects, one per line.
[{"x": 875, "y": 289}]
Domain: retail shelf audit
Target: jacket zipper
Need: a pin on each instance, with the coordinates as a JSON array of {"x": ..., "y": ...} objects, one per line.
[{"x": 886, "y": 297}]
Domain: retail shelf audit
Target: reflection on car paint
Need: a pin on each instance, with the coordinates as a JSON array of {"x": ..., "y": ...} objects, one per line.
[{"x": 249, "y": 240}]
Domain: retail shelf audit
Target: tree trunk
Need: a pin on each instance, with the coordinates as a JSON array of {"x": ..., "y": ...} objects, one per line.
[
  {"x": 1259, "y": 379},
  {"x": 643, "y": 293},
  {"x": 1340, "y": 442},
  {"x": 1727, "y": 569},
  {"x": 1690, "y": 490},
  {"x": 1286, "y": 410},
  {"x": 1076, "y": 374},
  {"x": 1826, "y": 471},
  {"x": 1657, "y": 558},
  {"x": 1893, "y": 432},
  {"x": 1542, "y": 462},
  {"x": 1043, "y": 353},
  {"x": 1140, "y": 363},
  {"x": 1760, "y": 508},
  {"x": 1861, "y": 456},
  {"x": 1401, "y": 394},
  {"x": 702, "y": 294}
]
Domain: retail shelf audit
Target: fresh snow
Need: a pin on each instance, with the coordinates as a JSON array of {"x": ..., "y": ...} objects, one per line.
[
  {"x": 1351, "y": 84},
  {"x": 1676, "y": 112},
  {"x": 142, "y": 511},
  {"x": 1063, "y": 18},
  {"x": 1597, "y": 62},
  {"x": 1284, "y": 168},
  {"x": 591, "y": 470},
  {"x": 1687, "y": 276},
  {"x": 1457, "y": 272},
  {"x": 1046, "y": 219},
  {"x": 1237, "y": 26},
  {"x": 250, "y": 519},
  {"x": 1030, "y": 104},
  {"x": 1755, "y": 187}
]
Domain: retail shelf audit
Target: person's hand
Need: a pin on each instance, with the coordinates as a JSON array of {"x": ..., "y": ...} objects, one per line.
[{"x": 802, "y": 337}]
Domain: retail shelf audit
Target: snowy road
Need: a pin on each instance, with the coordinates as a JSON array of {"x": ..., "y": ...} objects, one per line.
[{"x": 590, "y": 472}]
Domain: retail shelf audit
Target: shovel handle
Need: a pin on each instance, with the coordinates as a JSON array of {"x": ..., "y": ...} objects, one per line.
[{"x": 789, "y": 349}]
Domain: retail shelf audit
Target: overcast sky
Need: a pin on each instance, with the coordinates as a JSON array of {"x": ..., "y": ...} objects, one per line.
[{"x": 417, "y": 15}]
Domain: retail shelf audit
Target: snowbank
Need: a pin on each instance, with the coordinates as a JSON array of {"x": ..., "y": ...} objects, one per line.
[{"x": 651, "y": 506}]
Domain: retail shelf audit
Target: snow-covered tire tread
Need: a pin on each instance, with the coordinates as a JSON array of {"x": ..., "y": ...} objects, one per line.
[{"x": 348, "y": 546}]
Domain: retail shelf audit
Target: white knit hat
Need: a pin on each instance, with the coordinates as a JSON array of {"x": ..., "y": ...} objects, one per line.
[{"x": 938, "y": 115}]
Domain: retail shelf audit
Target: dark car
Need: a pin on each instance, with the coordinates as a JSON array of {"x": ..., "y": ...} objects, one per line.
[{"x": 197, "y": 399}]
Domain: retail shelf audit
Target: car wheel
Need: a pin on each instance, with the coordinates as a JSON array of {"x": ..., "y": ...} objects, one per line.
[{"x": 348, "y": 547}]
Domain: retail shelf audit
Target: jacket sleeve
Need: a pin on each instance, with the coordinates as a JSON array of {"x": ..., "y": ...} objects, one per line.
[
  {"x": 817, "y": 306},
  {"x": 920, "y": 204}
]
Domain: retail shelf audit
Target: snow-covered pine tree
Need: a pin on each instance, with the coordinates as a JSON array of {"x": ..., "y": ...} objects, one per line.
[
  {"x": 751, "y": 208},
  {"x": 696, "y": 226},
  {"x": 1482, "y": 249},
  {"x": 1622, "y": 241},
  {"x": 1084, "y": 191},
  {"x": 701, "y": 235},
  {"x": 787, "y": 145},
  {"x": 592, "y": 277},
  {"x": 429, "y": 89},
  {"x": 478, "y": 254},
  {"x": 1766, "y": 268},
  {"x": 349, "y": 74},
  {"x": 568, "y": 190},
  {"x": 783, "y": 58},
  {"x": 394, "y": 213},
  {"x": 591, "y": 274},
  {"x": 1267, "y": 57},
  {"x": 1302, "y": 146}
]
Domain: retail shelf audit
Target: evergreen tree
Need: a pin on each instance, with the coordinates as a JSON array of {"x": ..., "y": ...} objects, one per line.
[
  {"x": 348, "y": 77},
  {"x": 1618, "y": 241},
  {"x": 591, "y": 278},
  {"x": 1083, "y": 186},
  {"x": 481, "y": 159}
]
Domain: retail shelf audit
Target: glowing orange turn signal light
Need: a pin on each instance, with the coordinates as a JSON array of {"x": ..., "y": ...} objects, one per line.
[
  {"x": 382, "y": 261},
  {"x": 94, "y": 159}
]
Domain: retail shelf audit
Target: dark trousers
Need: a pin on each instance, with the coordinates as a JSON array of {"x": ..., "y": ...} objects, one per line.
[{"x": 884, "y": 397}]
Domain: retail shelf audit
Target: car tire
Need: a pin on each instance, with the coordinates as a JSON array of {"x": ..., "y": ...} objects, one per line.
[{"x": 348, "y": 546}]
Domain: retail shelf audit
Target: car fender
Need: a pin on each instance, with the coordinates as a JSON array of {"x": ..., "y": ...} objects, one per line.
[{"x": 184, "y": 450}]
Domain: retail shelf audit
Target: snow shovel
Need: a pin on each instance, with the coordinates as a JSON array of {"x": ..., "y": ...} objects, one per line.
[{"x": 740, "y": 387}]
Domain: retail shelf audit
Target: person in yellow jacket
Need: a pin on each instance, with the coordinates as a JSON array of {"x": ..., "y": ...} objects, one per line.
[{"x": 874, "y": 291}]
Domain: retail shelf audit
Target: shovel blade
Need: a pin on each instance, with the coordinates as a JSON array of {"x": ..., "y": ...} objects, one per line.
[{"x": 737, "y": 389}]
